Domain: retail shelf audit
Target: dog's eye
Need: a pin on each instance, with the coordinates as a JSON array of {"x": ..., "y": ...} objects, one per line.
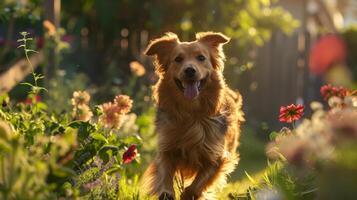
[
  {"x": 178, "y": 59},
  {"x": 201, "y": 58}
]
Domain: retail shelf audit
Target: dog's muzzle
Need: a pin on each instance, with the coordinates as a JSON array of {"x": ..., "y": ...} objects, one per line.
[{"x": 191, "y": 88}]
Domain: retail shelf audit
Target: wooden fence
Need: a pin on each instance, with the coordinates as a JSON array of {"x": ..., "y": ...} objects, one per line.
[{"x": 281, "y": 77}]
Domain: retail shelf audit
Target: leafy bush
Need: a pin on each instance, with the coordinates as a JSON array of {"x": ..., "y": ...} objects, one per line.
[
  {"x": 44, "y": 155},
  {"x": 86, "y": 153},
  {"x": 317, "y": 159}
]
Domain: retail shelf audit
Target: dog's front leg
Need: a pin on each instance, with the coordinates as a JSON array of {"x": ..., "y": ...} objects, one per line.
[
  {"x": 165, "y": 175},
  {"x": 158, "y": 178},
  {"x": 204, "y": 178}
]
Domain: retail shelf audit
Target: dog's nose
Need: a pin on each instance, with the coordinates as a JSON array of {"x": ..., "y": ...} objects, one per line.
[{"x": 190, "y": 72}]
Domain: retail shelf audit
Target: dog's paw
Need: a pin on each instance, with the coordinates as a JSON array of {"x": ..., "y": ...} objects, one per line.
[
  {"x": 166, "y": 196},
  {"x": 189, "y": 195}
]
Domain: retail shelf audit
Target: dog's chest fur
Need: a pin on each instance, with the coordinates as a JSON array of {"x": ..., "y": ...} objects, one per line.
[{"x": 194, "y": 141}]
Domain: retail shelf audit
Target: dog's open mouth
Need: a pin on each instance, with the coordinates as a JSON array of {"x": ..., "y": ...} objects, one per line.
[{"x": 190, "y": 88}]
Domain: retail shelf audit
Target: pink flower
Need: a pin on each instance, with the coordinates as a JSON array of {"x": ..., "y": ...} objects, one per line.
[
  {"x": 113, "y": 112},
  {"x": 291, "y": 113},
  {"x": 82, "y": 112},
  {"x": 111, "y": 117},
  {"x": 80, "y": 98},
  {"x": 124, "y": 103},
  {"x": 130, "y": 154},
  {"x": 344, "y": 124}
]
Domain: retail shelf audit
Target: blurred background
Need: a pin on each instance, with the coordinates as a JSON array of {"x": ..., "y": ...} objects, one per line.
[{"x": 281, "y": 52}]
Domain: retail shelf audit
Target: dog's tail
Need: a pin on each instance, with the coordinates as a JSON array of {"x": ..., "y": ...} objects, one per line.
[
  {"x": 237, "y": 97},
  {"x": 239, "y": 101}
]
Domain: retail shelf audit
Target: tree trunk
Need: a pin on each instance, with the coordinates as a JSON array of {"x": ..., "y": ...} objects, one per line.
[{"x": 52, "y": 13}]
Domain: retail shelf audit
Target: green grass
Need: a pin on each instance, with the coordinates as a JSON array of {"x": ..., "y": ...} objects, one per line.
[
  {"x": 252, "y": 155},
  {"x": 252, "y": 160}
]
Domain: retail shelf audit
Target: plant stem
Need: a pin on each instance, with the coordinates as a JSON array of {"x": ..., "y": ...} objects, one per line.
[{"x": 28, "y": 60}]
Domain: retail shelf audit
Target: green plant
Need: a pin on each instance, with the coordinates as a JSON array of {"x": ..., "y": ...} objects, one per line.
[
  {"x": 35, "y": 88},
  {"x": 44, "y": 155},
  {"x": 316, "y": 159},
  {"x": 75, "y": 158},
  {"x": 23, "y": 170}
]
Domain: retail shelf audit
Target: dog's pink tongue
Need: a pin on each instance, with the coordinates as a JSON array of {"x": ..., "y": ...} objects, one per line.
[{"x": 191, "y": 90}]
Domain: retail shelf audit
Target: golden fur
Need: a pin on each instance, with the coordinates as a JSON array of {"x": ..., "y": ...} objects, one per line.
[{"x": 197, "y": 136}]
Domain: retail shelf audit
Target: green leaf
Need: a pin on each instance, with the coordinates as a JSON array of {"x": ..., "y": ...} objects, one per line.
[
  {"x": 273, "y": 135},
  {"x": 113, "y": 169},
  {"x": 134, "y": 139},
  {"x": 41, "y": 106},
  {"x": 100, "y": 137},
  {"x": 109, "y": 147},
  {"x": 55, "y": 128},
  {"x": 250, "y": 178},
  {"x": 4, "y": 98},
  {"x": 61, "y": 171},
  {"x": 30, "y": 50},
  {"x": 28, "y": 84},
  {"x": 84, "y": 129},
  {"x": 70, "y": 135},
  {"x": 107, "y": 151}
]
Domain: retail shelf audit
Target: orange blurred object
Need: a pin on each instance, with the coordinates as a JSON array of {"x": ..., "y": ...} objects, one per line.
[
  {"x": 327, "y": 51},
  {"x": 50, "y": 27},
  {"x": 137, "y": 68}
]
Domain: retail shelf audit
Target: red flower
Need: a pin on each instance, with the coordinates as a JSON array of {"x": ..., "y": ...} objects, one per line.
[
  {"x": 328, "y": 50},
  {"x": 2, "y": 41},
  {"x": 130, "y": 154},
  {"x": 328, "y": 91},
  {"x": 291, "y": 113},
  {"x": 40, "y": 42},
  {"x": 68, "y": 38},
  {"x": 29, "y": 101}
]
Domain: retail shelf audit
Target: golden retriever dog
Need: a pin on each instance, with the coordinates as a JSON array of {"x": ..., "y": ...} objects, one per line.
[{"x": 198, "y": 117}]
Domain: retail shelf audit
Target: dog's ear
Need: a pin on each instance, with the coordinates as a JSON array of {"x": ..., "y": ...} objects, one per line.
[
  {"x": 215, "y": 42},
  {"x": 212, "y": 39},
  {"x": 161, "y": 49}
]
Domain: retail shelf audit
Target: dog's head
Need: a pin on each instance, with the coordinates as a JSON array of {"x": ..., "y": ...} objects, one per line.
[{"x": 188, "y": 64}]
